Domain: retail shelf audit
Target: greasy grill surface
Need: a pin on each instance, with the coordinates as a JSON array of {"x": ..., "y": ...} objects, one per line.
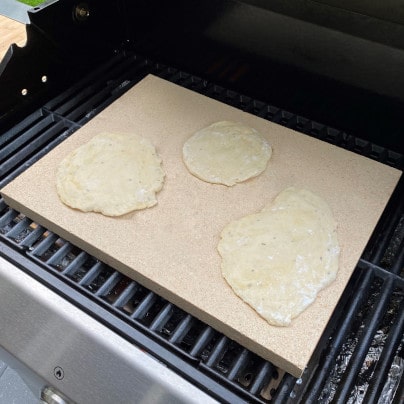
[{"x": 361, "y": 353}]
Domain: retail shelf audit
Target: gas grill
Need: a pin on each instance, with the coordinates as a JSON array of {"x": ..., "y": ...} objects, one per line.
[{"x": 76, "y": 327}]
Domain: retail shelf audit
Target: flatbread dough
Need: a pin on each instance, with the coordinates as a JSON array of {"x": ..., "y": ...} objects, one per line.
[
  {"x": 113, "y": 173},
  {"x": 226, "y": 153},
  {"x": 277, "y": 260}
]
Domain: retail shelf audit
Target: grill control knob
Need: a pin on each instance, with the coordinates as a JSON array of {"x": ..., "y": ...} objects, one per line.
[{"x": 50, "y": 395}]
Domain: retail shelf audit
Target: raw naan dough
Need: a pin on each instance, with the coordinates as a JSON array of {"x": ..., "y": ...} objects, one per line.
[
  {"x": 226, "y": 153},
  {"x": 277, "y": 260},
  {"x": 113, "y": 173}
]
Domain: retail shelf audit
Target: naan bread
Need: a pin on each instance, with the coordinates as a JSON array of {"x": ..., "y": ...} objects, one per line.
[
  {"x": 277, "y": 260},
  {"x": 226, "y": 153},
  {"x": 113, "y": 173}
]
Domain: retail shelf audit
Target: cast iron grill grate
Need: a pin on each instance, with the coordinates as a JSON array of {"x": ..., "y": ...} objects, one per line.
[{"x": 360, "y": 356}]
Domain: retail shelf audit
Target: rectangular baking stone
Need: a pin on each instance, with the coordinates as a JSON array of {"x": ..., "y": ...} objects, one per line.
[{"x": 171, "y": 248}]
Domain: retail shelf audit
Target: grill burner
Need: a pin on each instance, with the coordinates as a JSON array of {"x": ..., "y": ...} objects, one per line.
[{"x": 360, "y": 357}]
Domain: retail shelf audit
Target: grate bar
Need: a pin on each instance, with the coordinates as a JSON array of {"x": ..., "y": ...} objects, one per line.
[
  {"x": 33, "y": 152},
  {"x": 265, "y": 372},
  {"x": 8, "y": 217},
  {"x": 203, "y": 339},
  {"x": 109, "y": 95},
  {"x": 3, "y": 205},
  {"x": 129, "y": 291},
  {"x": 95, "y": 270},
  {"x": 370, "y": 327},
  {"x": 62, "y": 103},
  {"x": 284, "y": 389},
  {"x": 32, "y": 237},
  {"x": 217, "y": 351},
  {"x": 182, "y": 328},
  {"x": 161, "y": 318},
  {"x": 19, "y": 228},
  {"x": 144, "y": 306},
  {"x": 390, "y": 219},
  {"x": 109, "y": 284},
  {"x": 45, "y": 244},
  {"x": 81, "y": 99},
  {"x": 317, "y": 383},
  {"x": 76, "y": 263},
  {"x": 22, "y": 127},
  {"x": 398, "y": 265},
  {"x": 239, "y": 364},
  {"x": 59, "y": 254},
  {"x": 384, "y": 364},
  {"x": 383, "y": 242},
  {"x": 90, "y": 104},
  {"x": 24, "y": 137},
  {"x": 36, "y": 143},
  {"x": 89, "y": 98}
]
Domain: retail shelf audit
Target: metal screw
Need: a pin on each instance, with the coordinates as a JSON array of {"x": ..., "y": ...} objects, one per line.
[
  {"x": 81, "y": 12},
  {"x": 24, "y": 91},
  {"x": 44, "y": 79}
]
